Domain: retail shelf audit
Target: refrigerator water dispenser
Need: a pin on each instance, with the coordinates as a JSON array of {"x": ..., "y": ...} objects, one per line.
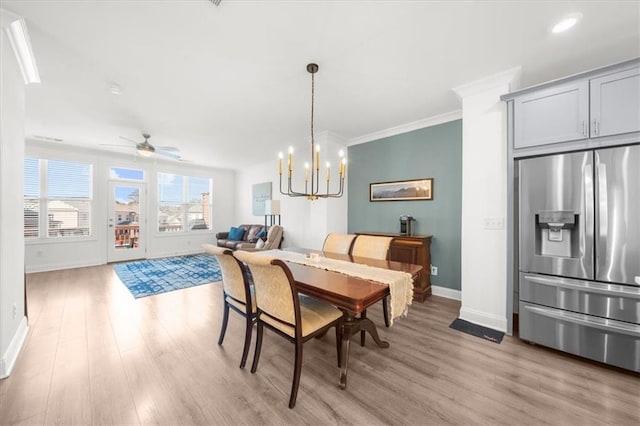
[{"x": 556, "y": 233}]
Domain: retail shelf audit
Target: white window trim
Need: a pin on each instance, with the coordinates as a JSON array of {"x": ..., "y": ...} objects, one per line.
[
  {"x": 184, "y": 204},
  {"x": 43, "y": 213}
]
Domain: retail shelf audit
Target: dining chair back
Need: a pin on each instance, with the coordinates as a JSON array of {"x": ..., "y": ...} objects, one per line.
[
  {"x": 237, "y": 294},
  {"x": 375, "y": 247},
  {"x": 338, "y": 243},
  {"x": 281, "y": 309}
]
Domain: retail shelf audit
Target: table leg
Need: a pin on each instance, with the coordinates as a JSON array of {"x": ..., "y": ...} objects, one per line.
[
  {"x": 367, "y": 325},
  {"x": 349, "y": 327}
]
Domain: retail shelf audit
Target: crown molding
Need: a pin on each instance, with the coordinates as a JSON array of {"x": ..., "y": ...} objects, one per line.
[
  {"x": 408, "y": 127},
  {"x": 509, "y": 77},
  {"x": 16, "y": 29}
]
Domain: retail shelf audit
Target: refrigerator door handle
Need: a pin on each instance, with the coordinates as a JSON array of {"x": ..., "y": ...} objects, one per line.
[
  {"x": 587, "y": 286},
  {"x": 586, "y": 228},
  {"x": 586, "y": 320},
  {"x": 602, "y": 223}
]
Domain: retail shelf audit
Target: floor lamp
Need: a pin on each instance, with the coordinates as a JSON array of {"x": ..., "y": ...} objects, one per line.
[{"x": 271, "y": 210}]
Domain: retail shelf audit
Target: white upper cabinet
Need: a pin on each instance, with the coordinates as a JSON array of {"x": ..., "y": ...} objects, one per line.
[
  {"x": 596, "y": 108},
  {"x": 615, "y": 103},
  {"x": 556, "y": 114}
]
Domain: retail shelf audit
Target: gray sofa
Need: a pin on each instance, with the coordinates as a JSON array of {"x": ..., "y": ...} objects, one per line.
[{"x": 273, "y": 239}]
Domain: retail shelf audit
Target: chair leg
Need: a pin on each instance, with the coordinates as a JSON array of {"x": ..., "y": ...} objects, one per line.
[
  {"x": 339, "y": 342},
  {"x": 247, "y": 340},
  {"x": 296, "y": 374},
  {"x": 256, "y": 355},
  {"x": 225, "y": 320},
  {"x": 363, "y": 315},
  {"x": 385, "y": 310}
]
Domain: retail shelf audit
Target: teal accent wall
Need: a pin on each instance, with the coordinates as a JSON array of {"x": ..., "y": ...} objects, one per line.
[{"x": 433, "y": 152}]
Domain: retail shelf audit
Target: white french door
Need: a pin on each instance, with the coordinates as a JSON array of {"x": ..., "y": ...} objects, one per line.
[{"x": 126, "y": 221}]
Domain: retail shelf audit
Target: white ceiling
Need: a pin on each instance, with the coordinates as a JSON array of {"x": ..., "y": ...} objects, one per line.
[{"x": 228, "y": 84}]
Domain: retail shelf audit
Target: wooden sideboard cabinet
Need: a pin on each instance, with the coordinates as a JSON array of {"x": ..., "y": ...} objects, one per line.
[{"x": 412, "y": 249}]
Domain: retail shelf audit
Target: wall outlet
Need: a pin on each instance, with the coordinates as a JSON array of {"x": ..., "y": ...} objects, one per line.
[
  {"x": 494, "y": 223},
  {"x": 434, "y": 270},
  {"x": 14, "y": 311}
]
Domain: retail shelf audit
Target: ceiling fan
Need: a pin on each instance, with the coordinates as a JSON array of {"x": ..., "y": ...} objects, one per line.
[{"x": 147, "y": 150}]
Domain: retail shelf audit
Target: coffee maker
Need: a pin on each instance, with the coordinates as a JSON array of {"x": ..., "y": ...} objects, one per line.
[{"x": 406, "y": 227}]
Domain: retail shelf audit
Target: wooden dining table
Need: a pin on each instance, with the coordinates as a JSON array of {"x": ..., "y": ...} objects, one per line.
[{"x": 352, "y": 295}]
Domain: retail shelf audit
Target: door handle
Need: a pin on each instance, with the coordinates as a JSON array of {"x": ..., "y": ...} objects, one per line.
[
  {"x": 586, "y": 320},
  {"x": 595, "y": 127},
  {"x": 584, "y": 128},
  {"x": 603, "y": 217}
]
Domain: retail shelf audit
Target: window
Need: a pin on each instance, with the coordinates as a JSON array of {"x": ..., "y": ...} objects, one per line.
[
  {"x": 59, "y": 191},
  {"x": 184, "y": 203},
  {"x": 121, "y": 173},
  {"x": 31, "y": 189}
]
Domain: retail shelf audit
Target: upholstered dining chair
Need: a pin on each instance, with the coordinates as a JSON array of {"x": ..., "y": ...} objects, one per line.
[
  {"x": 281, "y": 309},
  {"x": 372, "y": 246},
  {"x": 238, "y": 294},
  {"x": 338, "y": 243},
  {"x": 375, "y": 247}
]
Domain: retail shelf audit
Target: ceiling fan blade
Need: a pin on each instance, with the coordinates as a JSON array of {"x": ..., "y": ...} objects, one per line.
[
  {"x": 130, "y": 140},
  {"x": 168, "y": 155},
  {"x": 167, "y": 148}
]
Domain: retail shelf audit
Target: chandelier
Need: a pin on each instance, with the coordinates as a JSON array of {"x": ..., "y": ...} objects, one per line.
[{"x": 312, "y": 169}]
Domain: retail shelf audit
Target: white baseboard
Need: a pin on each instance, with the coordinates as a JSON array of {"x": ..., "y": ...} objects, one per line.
[
  {"x": 45, "y": 267},
  {"x": 449, "y": 293},
  {"x": 9, "y": 358},
  {"x": 83, "y": 263},
  {"x": 485, "y": 319}
]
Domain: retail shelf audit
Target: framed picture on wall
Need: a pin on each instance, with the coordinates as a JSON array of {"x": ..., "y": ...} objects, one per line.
[
  {"x": 260, "y": 193},
  {"x": 402, "y": 190}
]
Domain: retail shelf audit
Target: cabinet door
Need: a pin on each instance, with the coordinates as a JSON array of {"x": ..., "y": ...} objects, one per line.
[
  {"x": 404, "y": 253},
  {"x": 615, "y": 103},
  {"x": 556, "y": 114}
]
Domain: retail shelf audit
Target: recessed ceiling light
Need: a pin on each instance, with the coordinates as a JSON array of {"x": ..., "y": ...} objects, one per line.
[
  {"x": 566, "y": 23},
  {"x": 115, "y": 88}
]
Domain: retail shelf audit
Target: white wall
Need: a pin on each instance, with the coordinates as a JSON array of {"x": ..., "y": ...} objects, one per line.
[
  {"x": 12, "y": 112},
  {"x": 306, "y": 223},
  {"x": 70, "y": 253},
  {"x": 484, "y": 195}
]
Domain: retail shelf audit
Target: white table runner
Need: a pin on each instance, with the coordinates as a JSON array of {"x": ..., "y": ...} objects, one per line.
[{"x": 400, "y": 283}]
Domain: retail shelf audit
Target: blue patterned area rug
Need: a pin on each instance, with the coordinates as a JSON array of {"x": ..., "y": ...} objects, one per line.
[{"x": 148, "y": 277}]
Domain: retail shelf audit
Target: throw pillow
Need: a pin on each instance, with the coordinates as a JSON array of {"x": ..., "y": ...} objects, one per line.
[
  {"x": 235, "y": 234},
  {"x": 259, "y": 244},
  {"x": 262, "y": 234}
]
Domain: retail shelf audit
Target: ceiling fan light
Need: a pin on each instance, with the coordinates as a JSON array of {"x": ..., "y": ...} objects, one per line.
[{"x": 145, "y": 152}]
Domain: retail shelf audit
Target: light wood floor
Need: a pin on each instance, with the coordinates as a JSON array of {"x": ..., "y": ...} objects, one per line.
[{"x": 95, "y": 355}]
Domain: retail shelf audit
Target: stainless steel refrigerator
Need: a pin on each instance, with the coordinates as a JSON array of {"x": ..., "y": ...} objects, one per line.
[{"x": 579, "y": 260}]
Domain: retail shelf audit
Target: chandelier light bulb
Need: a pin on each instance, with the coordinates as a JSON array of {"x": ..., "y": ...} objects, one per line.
[{"x": 341, "y": 153}]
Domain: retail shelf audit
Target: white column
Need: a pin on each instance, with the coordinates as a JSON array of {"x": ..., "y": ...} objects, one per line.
[
  {"x": 14, "y": 73},
  {"x": 484, "y": 199}
]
